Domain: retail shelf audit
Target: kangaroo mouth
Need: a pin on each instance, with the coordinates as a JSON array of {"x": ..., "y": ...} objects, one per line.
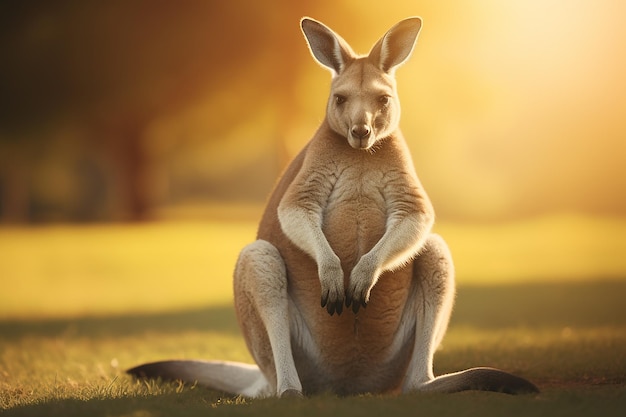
[{"x": 361, "y": 143}]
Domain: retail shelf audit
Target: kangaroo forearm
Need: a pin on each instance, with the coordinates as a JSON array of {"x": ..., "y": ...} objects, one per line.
[{"x": 303, "y": 228}]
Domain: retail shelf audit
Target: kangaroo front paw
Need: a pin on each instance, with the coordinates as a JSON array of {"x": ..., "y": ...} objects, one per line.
[
  {"x": 362, "y": 280},
  {"x": 333, "y": 306},
  {"x": 331, "y": 280},
  {"x": 356, "y": 303}
]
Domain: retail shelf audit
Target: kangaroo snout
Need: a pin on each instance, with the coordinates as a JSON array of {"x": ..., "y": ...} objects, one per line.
[
  {"x": 361, "y": 131},
  {"x": 360, "y": 136}
]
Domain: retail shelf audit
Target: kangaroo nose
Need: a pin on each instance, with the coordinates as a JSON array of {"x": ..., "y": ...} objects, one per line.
[{"x": 361, "y": 131}]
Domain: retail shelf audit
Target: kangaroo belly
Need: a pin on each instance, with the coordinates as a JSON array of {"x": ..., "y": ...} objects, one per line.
[
  {"x": 352, "y": 351},
  {"x": 355, "y": 216}
]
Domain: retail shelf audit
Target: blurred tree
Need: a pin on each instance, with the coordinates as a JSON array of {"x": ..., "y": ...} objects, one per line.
[{"x": 114, "y": 67}]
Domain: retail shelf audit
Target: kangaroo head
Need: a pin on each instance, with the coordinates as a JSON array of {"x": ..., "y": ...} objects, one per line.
[{"x": 363, "y": 105}]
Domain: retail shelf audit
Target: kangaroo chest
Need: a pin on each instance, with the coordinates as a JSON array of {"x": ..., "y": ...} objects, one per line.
[{"x": 355, "y": 214}]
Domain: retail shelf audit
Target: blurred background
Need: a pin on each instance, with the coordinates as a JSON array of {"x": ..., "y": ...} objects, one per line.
[
  {"x": 143, "y": 137},
  {"x": 127, "y": 110},
  {"x": 139, "y": 140}
]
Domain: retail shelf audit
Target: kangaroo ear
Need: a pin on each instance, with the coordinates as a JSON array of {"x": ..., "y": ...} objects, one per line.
[
  {"x": 328, "y": 48},
  {"x": 395, "y": 47}
]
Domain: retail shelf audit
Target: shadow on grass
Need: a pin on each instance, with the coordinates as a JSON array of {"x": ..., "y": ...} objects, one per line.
[
  {"x": 214, "y": 318},
  {"x": 582, "y": 379},
  {"x": 571, "y": 402},
  {"x": 582, "y": 304},
  {"x": 491, "y": 307},
  {"x": 188, "y": 403}
]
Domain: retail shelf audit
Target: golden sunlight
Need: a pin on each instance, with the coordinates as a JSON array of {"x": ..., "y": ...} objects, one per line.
[
  {"x": 513, "y": 110},
  {"x": 524, "y": 102}
]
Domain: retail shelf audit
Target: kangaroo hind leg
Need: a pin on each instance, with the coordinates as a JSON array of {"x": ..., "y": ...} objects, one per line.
[
  {"x": 262, "y": 305},
  {"x": 429, "y": 309}
]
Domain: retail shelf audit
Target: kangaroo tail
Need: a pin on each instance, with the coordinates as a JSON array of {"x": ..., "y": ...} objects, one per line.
[
  {"x": 229, "y": 377},
  {"x": 481, "y": 379}
]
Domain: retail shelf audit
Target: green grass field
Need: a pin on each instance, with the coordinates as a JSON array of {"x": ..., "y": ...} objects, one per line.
[{"x": 543, "y": 298}]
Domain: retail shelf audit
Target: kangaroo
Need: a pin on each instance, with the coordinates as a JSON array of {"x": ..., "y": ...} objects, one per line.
[{"x": 346, "y": 289}]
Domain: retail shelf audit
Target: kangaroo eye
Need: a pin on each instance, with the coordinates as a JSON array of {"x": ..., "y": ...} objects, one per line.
[
  {"x": 339, "y": 100},
  {"x": 384, "y": 100}
]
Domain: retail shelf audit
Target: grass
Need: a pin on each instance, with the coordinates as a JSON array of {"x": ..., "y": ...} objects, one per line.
[{"x": 83, "y": 303}]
